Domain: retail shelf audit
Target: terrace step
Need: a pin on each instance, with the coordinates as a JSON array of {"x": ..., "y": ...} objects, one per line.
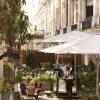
[{"x": 65, "y": 95}]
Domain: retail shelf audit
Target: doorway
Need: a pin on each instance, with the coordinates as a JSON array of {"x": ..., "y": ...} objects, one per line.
[{"x": 89, "y": 8}]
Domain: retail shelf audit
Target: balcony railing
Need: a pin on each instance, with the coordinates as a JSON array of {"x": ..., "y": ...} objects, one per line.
[
  {"x": 87, "y": 23},
  {"x": 38, "y": 36},
  {"x": 57, "y": 32},
  {"x": 65, "y": 30},
  {"x": 74, "y": 27}
]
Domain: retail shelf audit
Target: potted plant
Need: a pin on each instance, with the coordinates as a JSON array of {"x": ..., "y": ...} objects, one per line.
[
  {"x": 28, "y": 78},
  {"x": 47, "y": 81},
  {"x": 86, "y": 79},
  {"x": 5, "y": 91},
  {"x": 87, "y": 96},
  {"x": 8, "y": 71}
]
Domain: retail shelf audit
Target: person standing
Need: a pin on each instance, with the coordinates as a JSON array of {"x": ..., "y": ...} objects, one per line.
[{"x": 68, "y": 78}]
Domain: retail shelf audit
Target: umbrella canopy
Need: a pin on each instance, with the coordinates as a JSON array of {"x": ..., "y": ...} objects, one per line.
[
  {"x": 58, "y": 49},
  {"x": 70, "y": 36},
  {"x": 89, "y": 45}
]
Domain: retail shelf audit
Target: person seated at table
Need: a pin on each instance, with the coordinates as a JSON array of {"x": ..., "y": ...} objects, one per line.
[
  {"x": 23, "y": 87},
  {"x": 40, "y": 91},
  {"x": 31, "y": 89},
  {"x": 34, "y": 90}
]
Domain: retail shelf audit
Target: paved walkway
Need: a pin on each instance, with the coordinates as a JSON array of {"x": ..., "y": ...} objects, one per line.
[
  {"x": 61, "y": 88},
  {"x": 43, "y": 98},
  {"x": 11, "y": 96}
]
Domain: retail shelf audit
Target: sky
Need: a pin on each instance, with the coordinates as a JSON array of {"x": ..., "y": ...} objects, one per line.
[{"x": 31, "y": 8}]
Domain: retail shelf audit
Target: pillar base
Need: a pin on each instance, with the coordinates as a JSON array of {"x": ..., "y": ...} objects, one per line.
[
  {"x": 98, "y": 20},
  {"x": 79, "y": 27},
  {"x": 69, "y": 28},
  {"x": 61, "y": 31},
  {"x": 95, "y": 21}
]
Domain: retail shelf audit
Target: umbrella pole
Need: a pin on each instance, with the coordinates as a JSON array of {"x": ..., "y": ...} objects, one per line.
[
  {"x": 75, "y": 73},
  {"x": 57, "y": 83}
]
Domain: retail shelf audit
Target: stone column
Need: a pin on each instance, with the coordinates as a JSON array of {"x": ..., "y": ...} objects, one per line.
[
  {"x": 86, "y": 59},
  {"x": 59, "y": 14},
  {"x": 79, "y": 14},
  {"x": 83, "y": 17},
  {"x": 69, "y": 12},
  {"x": 53, "y": 12},
  {"x": 99, "y": 7},
  {"x": 83, "y": 9},
  {"x": 66, "y": 12},
  {"x": 95, "y": 12},
  {"x": 63, "y": 6},
  {"x": 75, "y": 11},
  {"x": 99, "y": 11},
  {"x": 69, "y": 16},
  {"x": 72, "y": 12},
  {"x": 45, "y": 19},
  {"x": 97, "y": 19},
  {"x": 64, "y": 18}
]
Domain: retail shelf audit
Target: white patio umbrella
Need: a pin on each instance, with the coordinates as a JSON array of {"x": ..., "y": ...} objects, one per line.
[
  {"x": 90, "y": 45},
  {"x": 70, "y": 36},
  {"x": 66, "y": 47}
]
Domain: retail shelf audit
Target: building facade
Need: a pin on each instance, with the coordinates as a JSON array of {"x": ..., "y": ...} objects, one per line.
[{"x": 61, "y": 16}]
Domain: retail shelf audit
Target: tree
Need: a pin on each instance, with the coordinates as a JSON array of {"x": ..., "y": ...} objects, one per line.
[
  {"x": 31, "y": 60},
  {"x": 13, "y": 23}
]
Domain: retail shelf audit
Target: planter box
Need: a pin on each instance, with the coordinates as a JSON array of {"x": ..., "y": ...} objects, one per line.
[
  {"x": 5, "y": 96},
  {"x": 47, "y": 86}
]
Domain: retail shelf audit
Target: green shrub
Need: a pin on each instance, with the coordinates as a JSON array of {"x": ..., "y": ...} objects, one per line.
[
  {"x": 47, "y": 77},
  {"x": 17, "y": 79},
  {"x": 9, "y": 66},
  {"x": 44, "y": 77},
  {"x": 28, "y": 79},
  {"x": 31, "y": 60},
  {"x": 5, "y": 88},
  {"x": 89, "y": 80},
  {"x": 45, "y": 64}
]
